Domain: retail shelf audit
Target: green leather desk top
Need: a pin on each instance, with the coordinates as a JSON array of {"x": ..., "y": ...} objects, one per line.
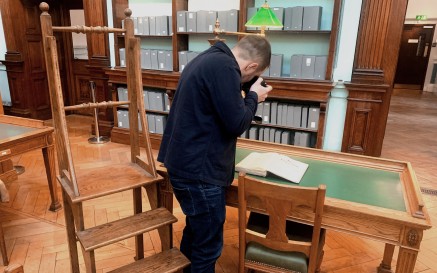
[
  {"x": 350, "y": 183},
  {"x": 10, "y": 130}
]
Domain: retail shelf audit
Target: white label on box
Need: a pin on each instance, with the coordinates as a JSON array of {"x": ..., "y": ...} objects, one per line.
[
  {"x": 307, "y": 61},
  {"x": 190, "y": 15},
  {"x": 120, "y": 124},
  {"x": 266, "y": 118},
  {"x": 161, "y": 65},
  {"x": 313, "y": 124},
  {"x": 182, "y": 67},
  {"x": 181, "y": 29},
  {"x": 122, "y": 63},
  {"x": 210, "y": 28}
]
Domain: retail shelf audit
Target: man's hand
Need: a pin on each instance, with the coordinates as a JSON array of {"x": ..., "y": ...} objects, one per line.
[{"x": 261, "y": 89}]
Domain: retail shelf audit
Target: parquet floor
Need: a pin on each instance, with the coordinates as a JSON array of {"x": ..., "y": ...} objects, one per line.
[{"x": 35, "y": 237}]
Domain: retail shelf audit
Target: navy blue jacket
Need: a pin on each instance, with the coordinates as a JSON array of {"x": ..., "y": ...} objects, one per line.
[{"x": 207, "y": 115}]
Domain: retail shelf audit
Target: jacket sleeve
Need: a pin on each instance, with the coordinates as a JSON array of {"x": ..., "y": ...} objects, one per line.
[{"x": 235, "y": 112}]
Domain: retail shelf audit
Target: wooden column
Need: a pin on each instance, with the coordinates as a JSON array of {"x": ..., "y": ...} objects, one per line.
[{"x": 376, "y": 55}]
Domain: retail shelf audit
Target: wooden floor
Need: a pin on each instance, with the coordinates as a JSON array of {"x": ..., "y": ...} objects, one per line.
[{"x": 35, "y": 237}]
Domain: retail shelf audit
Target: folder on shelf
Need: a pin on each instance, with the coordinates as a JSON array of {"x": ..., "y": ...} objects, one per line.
[
  {"x": 296, "y": 141},
  {"x": 297, "y": 116},
  {"x": 250, "y": 13},
  {"x": 278, "y": 134},
  {"x": 308, "y": 66},
  {"x": 266, "y": 136},
  {"x": 285, "y": 137},
  {"x": 170, "y": 25},
  {"x": 191, "y": 55},
  {"x": 276, "y": 65},
  {"x": 313, "y": 117},
  {"x": 253, "y": 133},
  {"x": 274, "y": 112},
  {"x": 290, "y": 115},
  {"x": 297, "y": 18},
  {"x": 279, "y": 12},
  {"x": 166, "y": 103},
  {"x": 304, "y": 120},
  {"x": 266, "y": 112},
  {"x": 311, "y": 18},
  {"x": 146, "y": 25},
  {"x": 151, "y": 122},
  {"x": 168, "y": 65},
  {"x": 146, "y": 99},
  {"x": 183, "y": 60},
  {"x": 160, "y": 121},
  {"x": 304, "y": 139},
  {"x": 261, "y": 134},
  {"x": 139, "y": 26},
  {"x": 122, "y": 53},
  {"x": 296, "y": 66},
  {"x": 135, "y": 21},
  {"x": 161, "y": 25},
  {"x": 320, "y": 67},
  {"x": 161, "y": 59},
  {"x": 232, "y": 20},
  {"x": 152, "y": 25},
  {"x": 191, "y": 21},
  {"x": 154, "y": 59},
  {"x": 146, "y": 60},
  {"x": 284, "y": 114},
  {"x": 288, "y": 13},
  {"x": 272, "y": 135},
  {"x": 181, "y": 21},
  {"x": 279, "y": 114}
]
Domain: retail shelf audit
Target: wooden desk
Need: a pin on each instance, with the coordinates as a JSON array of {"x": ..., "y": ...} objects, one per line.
[
  {"x": 371, "y": 197},
  {"x": 20, "y": 135}
]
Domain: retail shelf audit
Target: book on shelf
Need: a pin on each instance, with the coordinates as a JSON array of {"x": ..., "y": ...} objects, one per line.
[{"x": 261, "y": 164}]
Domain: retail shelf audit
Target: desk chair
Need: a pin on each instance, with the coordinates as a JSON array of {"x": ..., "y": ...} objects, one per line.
[
  {"x": 80, "y": 185},
  {"x": 271, "y": 249}
]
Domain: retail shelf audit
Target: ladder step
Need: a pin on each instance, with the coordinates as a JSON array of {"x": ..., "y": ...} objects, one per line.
[
  {"x": 165, "y": 262},
  {"x": 116, "y": 231}
]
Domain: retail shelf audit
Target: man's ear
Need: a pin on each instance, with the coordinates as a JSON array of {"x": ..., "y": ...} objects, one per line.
[{"x": 252, "y": 66}]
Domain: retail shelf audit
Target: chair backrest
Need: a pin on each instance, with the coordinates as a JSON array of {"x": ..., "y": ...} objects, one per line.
[
  {"x": 280, "y": 201},
  {"x": 135, "y": 103}
]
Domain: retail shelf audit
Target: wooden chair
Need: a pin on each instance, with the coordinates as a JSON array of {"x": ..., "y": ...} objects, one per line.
[
  {"x": 138, "y": 172},
  {"x": 273, "y": 250}
]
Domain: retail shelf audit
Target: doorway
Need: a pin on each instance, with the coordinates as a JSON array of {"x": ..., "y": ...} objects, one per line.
[{"x": 414, "y": 55}]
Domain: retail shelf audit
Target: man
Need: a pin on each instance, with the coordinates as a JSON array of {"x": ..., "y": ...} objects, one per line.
[{"x": 198, "y": 146}]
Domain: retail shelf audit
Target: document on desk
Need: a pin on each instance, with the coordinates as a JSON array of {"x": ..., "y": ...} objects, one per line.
[{"x": 280, "y": 165}]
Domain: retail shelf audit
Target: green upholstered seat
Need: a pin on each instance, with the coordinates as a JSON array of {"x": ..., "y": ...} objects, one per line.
[{"x": 293, "y": 261}]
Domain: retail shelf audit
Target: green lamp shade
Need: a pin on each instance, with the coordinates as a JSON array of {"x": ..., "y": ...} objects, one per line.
[{"x": 264, "y": 17}]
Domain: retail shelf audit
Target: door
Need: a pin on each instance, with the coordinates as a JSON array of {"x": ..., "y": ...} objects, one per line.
[{"x": 414, "y": 54}]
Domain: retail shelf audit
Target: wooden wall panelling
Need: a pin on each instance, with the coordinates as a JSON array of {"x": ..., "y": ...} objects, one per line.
[
  {"x": 376, "y": 54},
  {"x": 364, "y": 118}
]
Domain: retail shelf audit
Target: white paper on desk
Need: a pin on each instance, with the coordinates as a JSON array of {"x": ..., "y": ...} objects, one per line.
[{"x": 277, "y": 164}]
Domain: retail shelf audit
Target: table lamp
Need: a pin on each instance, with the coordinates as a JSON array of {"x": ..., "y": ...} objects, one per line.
[{"x": 264, "y": 17}]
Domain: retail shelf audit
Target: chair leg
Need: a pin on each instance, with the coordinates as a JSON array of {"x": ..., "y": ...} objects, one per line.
[
  {"x": 90, "y": 260},
  {"x": 3, "y": 247}
]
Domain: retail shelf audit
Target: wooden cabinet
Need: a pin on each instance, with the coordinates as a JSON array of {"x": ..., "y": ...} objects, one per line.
[{"x": 309, "y": 92}]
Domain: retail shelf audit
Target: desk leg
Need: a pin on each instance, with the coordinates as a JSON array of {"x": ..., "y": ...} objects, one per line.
[
  {"x": 49, "y": 162},
  {"x": 385, "y": 266},
  {"x": 406, "y": 260}
]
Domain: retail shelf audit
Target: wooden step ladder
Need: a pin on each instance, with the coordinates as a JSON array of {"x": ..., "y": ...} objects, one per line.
[{"x": 79, "y": 186}]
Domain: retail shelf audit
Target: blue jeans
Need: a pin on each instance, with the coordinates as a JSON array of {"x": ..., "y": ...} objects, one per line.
[{"x": 204, "y": 207}]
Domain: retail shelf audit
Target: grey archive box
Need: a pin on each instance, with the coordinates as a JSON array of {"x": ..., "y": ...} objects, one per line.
[
  {"x": 276, "y": 65},
  {"x": 313, "y": 117},
  {"x": 165, "y": 60},
  {"x": 274, "y": 112},
  {"x": 154, "y": 59},
  {"x": 122, "y": 52},
  {"x": 183, "y": 60},
  {"x": 279, "y": 114},
  {"x": 170, "y": 25},
  {"x": 320, "y": 67},
  {"x": 146, "y": 27},
  {"x": 152, "y": 25},
  {"x": 206, "y": 20},
  {"x": 151, "y": 123},
  {"x": 290, "y": 113},
  {"x": 232, "y": 20},
  {"x": 222, "y": 17},
  {"x": 135, "y": 20},
  {"x": 304, "y": 122},
  {"x": 296, "y": 66},
  {"x": 160, "y": 121},
  {"x": 261, "y": 134},
  {"x": 181, "y": 21},
  {"x": 250, "y": 13},
  {"x": 297, "y": 116},
  {"x": 253, "y": 133},
  {"x": 308, "y": 62},
  {"x": 146, "y": 61},
  {"x": 312, "y": 16},
  {"x": 166, "y": 103},
  {"x": 146, "y": 99},
  {"x": 162, "y": 25},
  {"x": 266, "y": 112},
  {"x": 266, "y": 134},
  {"x": 296, "y": 18},
  {"x": 279, "y": 12},
  {"x": 288, "y": 13},
  {"x": 191, "y": 55},
  {"x": 191, "y": 21},
  {"x": 139, "y": 29}
]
